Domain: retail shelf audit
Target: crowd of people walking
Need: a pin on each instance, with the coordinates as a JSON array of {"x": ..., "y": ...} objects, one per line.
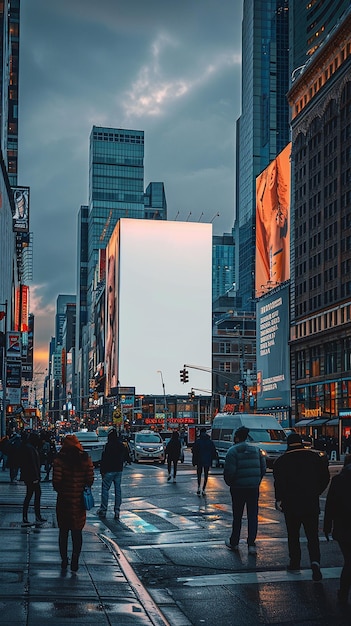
[{"x": 300, "y": 476}]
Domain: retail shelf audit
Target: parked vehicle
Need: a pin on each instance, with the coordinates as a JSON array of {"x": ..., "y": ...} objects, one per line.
[
  {"x": 147, "y": 445},
  {"x": 91, "y": 444},
  {"x": 265, "y": 432}
]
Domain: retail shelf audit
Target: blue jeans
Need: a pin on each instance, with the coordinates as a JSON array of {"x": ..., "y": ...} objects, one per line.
[
  {"x": 240, "y": 497},
  {"x": 108, "y": 479}
]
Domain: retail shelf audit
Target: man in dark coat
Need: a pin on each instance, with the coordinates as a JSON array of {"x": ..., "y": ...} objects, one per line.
[
  {"x": 13, "y": 455},
  {"x": 173, "y": 450},
  {"x": 204, "y": 452},
  {"x": 337, "y": 520},
  {"x": 244, "y": 469},
  {"x": 113, "y": 458},
  {"x": 30, "y": 474},
  {"x": 300, "y": 476}
]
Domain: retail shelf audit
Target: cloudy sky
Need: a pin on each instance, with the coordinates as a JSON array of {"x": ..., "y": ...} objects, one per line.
[{"x": 169, "y": 67}]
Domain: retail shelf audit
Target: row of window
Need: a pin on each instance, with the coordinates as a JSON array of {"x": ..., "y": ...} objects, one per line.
[
  {"x": 333, "y": 358},
  {"x": 324, "y": 321},
  {"x": 342, "y": 55},
  {"x": 118, "y": 137}
]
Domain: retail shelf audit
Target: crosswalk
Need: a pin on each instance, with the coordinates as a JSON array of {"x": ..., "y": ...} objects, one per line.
[{"x": 141, "y": 517}]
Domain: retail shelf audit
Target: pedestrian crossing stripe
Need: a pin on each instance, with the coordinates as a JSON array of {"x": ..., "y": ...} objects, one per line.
[
  {"x": 245, "y": 578},
  {"x": 138, "y": 525},
  {"x": 226, "y": 508}
]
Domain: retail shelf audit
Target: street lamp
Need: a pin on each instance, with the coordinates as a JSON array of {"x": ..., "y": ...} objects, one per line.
[{"x": 164, "y": 398}]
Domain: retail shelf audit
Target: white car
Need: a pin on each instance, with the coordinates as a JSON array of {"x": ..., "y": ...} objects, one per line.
[
  {"x": 147, "y": 446},
  {"x": 91, "y": 444}
]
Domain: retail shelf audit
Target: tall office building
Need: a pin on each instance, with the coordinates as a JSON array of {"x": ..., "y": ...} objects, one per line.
[
  {"x": 320, "y": 333},
  {"x": 263, "y": 127},
  {"x": 61, "y": 303},
  {"x": 116, "y": 185},
  {"x": 223, "y": 266},
  {"x": 82, "y": 273},
  {"x": 155, "y": 202},
  {"x": 9, "y": 74}
]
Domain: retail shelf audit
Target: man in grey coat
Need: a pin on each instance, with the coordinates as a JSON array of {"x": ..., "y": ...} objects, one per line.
[{"x": 244, "y": 469}]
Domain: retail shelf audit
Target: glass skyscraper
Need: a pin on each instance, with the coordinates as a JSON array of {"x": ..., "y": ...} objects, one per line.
[
  {"x": 155, "y": 202},
  {"x": 223, "y": 266},
  {"x": 263, "y": 128},
  {"x": 116, "y": 185}
]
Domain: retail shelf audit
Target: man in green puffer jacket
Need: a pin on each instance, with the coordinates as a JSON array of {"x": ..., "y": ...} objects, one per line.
[{"x": 244, "y": 469}]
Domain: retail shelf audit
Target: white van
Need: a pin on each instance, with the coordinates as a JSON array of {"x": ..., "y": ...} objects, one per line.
[{"x": 265, "y": 433}]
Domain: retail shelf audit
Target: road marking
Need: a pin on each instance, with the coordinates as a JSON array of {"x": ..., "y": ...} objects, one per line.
[
  {"x": 265, "y": 577},
  {"x": 211, "y": 542},
  {"x": 179, "y": 520},
  {"x": 137, "y": 524}
]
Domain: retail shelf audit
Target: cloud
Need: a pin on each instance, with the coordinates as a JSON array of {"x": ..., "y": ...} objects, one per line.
[{"x": 169, "y": 68}]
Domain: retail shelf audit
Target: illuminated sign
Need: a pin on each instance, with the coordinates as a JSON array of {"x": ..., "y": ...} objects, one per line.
[
  {"x": 21, "y": 214},
  {"x": 273, "y": 224}
]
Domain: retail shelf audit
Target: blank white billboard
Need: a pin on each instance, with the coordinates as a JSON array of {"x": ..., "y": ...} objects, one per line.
[{"x": 159, "y": 306}]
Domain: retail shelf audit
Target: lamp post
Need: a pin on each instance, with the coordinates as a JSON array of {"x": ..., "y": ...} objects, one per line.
[
  {"x": 164, "y": 398},
  {"x": 3, "y": 315}
]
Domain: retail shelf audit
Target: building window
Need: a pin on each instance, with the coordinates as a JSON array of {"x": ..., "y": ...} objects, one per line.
[
  {"x": 224, "y": 347},
  {"x": 300, "y": 364},
  {"x": 330, "y": 358},
  {"x": 225, "y": 366}
]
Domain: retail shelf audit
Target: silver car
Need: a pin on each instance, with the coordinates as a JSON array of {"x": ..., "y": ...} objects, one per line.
[
  {"x": 91, "y": 444},
  {"x": 147, "y": 446}
]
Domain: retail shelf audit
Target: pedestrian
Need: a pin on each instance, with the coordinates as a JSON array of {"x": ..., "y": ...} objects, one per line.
[
  {"x": 72, "y": 471},
  {"x": 112, "y": 462},
  {"x": 30, "y": 474},
  {"x": 204, "y": 452},
  {"x": 44, "y": 453},
  {"x": 300, "y": 476},
  {"x": 13, "y": 455},
  {"x": 4, "y": 442},
  {"x": 244, "y": 468},
  {"x": 337, "y": 520},
  {"x": 173, "y": 450}
]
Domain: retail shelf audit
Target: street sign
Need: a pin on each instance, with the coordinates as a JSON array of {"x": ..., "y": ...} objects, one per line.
[
  {"x": 13, "y": 345},
  {"x": 13, "y": 374}
]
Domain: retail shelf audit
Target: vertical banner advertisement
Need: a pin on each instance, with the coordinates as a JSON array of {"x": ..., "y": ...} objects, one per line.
[
  {"x": 21, "y": 214},
  {"x": 272, "y": 350},
  {"x": 273, "y": 224}
]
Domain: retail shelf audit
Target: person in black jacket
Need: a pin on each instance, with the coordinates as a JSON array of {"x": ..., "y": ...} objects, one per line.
[
  {"x": 204, "y": 452},
  {"x": 300, "y": 477},
  {"x": 173, "y": 449},
  {"x": 111, "y": 467},
  {"x": 30, "y": 474},
  {"x": 337, "y": 520}
]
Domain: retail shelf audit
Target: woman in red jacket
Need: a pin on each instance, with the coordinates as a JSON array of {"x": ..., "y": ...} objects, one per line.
[{"x": 73, "y": 470}]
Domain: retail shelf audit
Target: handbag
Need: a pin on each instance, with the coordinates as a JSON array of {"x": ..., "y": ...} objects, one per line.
[{"x": 88, "y": 498}]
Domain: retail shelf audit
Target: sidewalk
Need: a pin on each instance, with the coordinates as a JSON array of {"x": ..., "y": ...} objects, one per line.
[{"x": 35, "y": 592}]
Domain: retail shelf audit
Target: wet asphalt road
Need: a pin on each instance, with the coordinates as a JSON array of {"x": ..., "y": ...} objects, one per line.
[{"x": 172, "y": 541}]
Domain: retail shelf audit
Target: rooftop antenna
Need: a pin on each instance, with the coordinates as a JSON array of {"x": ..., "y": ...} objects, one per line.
[
  {"x": 175, "y": 219},
  {"x": 214, "y": 217},
  {"x": 187, "y": 219},
  {"x": 201, "y": 216}
]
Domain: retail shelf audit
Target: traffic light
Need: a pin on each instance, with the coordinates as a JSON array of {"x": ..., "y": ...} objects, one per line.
[{"x": 184, "y": 376}]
